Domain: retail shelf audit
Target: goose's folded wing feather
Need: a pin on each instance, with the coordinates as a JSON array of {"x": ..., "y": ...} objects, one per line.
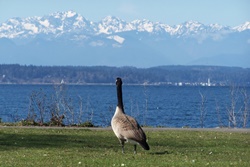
[{"x": 129, "y": 128}]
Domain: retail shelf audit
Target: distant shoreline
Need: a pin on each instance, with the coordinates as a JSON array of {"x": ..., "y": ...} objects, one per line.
[{"x": 103, "y": 75}]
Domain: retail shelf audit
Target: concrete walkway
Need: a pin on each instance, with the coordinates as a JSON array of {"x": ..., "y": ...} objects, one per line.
[{"x": 247, "y": 130}]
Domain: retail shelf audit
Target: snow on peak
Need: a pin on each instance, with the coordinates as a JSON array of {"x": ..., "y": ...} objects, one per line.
[
  {"x": 111, "y": 19},
  {"x": 45, "y": 23},
  {"x": 31, "y": 27},
  {"x": 192, "y": 23},
  {"x": 143, "y": 25},
  {"x": 243, "y": 27},
  {"x": 63, "y": 15},
  {"x": 70, "y": 13},
  {"x": 216, "y": 26},
  {"x": 111, "y": 24}
]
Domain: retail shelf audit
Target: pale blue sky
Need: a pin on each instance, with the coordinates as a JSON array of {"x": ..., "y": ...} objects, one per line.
[{"x": 225, "y": 12}]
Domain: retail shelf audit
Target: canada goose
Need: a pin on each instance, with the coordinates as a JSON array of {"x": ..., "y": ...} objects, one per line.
[{"x": 126, "y": 127}]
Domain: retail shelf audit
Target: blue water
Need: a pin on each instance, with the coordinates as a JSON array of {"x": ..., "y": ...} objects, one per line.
[{"x": 167, "y": 106}]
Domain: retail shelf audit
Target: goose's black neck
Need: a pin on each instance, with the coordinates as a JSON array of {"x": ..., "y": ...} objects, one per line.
[{"x": 119, "y": 93}]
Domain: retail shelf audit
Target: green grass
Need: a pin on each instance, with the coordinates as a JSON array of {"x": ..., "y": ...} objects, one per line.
[{"x": 81, "y": 147}]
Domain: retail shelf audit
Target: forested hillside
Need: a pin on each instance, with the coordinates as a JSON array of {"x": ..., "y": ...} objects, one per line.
[{"x": 188, "y": 75}]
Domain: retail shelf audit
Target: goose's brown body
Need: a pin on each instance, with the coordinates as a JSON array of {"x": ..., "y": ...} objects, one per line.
[{"x": 126, "y": 127}]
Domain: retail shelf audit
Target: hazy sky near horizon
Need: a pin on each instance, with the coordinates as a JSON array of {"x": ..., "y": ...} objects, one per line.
[{"x": 172, "y": 12}]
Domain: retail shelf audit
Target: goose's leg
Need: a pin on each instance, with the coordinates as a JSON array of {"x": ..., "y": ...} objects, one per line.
[
  {"x": 134, "y": 149},
  {"x": 122, "y": 142}
]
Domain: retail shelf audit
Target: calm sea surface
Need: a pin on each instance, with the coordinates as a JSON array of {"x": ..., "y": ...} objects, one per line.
[{"x": 168, "y": 106}]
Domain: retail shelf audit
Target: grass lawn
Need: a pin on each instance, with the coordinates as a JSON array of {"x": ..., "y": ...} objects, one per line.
[{"x": 84, "y": 147}]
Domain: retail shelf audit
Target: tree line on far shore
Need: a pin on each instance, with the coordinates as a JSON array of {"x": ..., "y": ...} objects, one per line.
[{"x": 30, "y": 74}]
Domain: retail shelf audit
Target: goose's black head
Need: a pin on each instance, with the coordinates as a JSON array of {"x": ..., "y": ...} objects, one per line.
[{"x": 118, "y": 81}]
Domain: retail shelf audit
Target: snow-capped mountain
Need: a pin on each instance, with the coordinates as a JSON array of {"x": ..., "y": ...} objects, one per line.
[
  {"x": 111, "y": 39},
  {"x": 54, "y": 24},
  {"x": 59, "y": 23}
]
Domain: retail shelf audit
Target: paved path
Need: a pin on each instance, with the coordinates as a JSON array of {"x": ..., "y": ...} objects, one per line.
[{"x": 145, "y": 128}]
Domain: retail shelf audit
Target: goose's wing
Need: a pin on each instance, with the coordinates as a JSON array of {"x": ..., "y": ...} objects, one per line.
[
  {"x": 127, "y": 128},
  {"x": 130, "y": 129}
]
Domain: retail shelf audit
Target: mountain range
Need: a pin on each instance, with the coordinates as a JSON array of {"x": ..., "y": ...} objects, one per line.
[{"x": 67, "y": 38}]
